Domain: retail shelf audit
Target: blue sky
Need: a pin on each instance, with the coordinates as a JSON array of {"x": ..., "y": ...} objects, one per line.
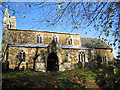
[{"x": 29, "y": 19}]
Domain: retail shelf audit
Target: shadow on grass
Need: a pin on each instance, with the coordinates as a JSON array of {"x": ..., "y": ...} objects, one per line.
[
  {"x": 26, "y": 79},
  {"x": 32, "y": 79}
]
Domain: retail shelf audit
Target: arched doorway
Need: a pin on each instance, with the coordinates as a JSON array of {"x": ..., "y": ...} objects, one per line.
[{"x": 52, "y": 62}]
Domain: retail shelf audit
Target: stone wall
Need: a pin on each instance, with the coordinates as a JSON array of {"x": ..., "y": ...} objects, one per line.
[
  {"x": 30, "y": 54},
  {"x": 106, "y": 52},
  {"x": 68, "y": 58},
  {"x": 30, "y": 37}
]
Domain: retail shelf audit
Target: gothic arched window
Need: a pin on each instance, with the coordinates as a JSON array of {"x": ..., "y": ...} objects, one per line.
[
  {"x": 70, "y": 41},
  {"x": 21, "y": 55},
  {"x": 55, "y": 38},
  {"x": 39, "y": 39},
  {"x": 104, "y": 59},
  {"x": 82, "y": 57}
]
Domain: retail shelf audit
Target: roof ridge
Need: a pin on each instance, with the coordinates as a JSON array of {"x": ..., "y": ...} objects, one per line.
[{"x": 44, "y": 31}]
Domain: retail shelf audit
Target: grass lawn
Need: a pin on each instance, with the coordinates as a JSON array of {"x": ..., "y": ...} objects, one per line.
[{"x": 32, "y": 79}]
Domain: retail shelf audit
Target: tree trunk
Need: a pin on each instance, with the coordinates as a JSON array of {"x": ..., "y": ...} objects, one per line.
[{"x": 17, "y": 68}]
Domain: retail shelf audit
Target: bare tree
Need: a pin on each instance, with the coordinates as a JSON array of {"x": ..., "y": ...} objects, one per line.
[
  {"x": 21, "y": 56},
  {"x": 102, "y": 16},
  {"x": 35, "y": 58}
]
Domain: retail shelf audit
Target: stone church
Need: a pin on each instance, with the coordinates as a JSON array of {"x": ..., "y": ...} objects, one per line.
[{"x": 50, "y": 51}]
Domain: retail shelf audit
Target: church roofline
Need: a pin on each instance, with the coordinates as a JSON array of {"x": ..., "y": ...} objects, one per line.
[
  {"x": 96, "y": 43},
  {"x": 45, "y": 31},
  {"x": 46, "y": 45}
]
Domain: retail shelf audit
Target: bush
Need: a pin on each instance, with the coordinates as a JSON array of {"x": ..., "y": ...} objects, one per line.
[{"x": 108, "y": 77}]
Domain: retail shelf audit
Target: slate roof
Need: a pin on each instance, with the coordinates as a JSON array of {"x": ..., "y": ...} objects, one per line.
[
  {"x": 28, "y": 45},
  {"x": 74, "y": 47},
  {"x": 94, "y": 43},
  {"x": 46, "y": 45}
]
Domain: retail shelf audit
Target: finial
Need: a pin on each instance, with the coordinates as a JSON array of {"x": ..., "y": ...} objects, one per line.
[{"x": 6, "y": 11}]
